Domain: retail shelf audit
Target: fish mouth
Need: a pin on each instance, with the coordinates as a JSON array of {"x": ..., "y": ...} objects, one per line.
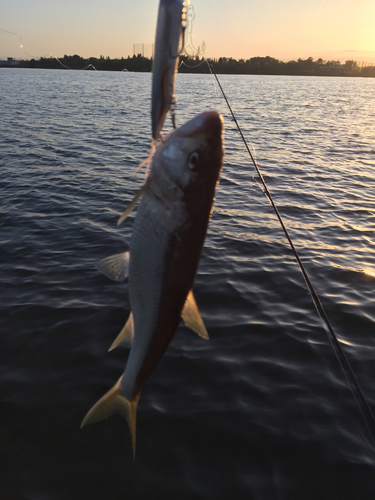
[{"x": 208, "y": 123}]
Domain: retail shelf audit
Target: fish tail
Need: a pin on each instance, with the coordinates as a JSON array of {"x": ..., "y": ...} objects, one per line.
[{"x": 113, "y": 402}]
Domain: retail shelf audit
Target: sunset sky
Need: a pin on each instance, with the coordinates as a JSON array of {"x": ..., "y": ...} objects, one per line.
[{"x": 284, "y": 29}]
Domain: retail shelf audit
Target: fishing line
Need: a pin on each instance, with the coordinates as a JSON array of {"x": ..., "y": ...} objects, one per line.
[
  {"x": 8, "y": 32},
  {"x": 215, "y": 90},
  {"x": 189, "y": 16},
  {"x": 21, "y": 44},
  {"x": 194, "y": 65},
  {"x": 353, "y": 383},
  {"x": 49, "y": 54},
  {"x": 78, "y": 69}
]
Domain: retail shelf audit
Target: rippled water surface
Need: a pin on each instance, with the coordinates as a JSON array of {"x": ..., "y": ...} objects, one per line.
[{"x": 261, "y": 410}]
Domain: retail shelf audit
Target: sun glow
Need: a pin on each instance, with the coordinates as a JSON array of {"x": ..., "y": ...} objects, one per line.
[{"x": 332, "y": 30}]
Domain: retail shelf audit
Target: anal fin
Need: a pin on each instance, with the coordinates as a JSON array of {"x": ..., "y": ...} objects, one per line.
[
  {"x": 126, "y": 335},
  {"x": 192, "y": 318}
]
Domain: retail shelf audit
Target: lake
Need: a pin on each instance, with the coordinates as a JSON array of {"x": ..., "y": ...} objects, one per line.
[{"x": 260, "y": 411}]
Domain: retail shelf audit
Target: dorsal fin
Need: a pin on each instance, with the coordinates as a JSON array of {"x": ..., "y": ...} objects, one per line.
[
  {"x": 126, "y": 335},
  {"x": 192, "y": 318},
  {"x": 115, "y": 267}
]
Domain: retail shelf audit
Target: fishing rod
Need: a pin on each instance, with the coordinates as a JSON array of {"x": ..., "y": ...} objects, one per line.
[{"x": 351, "y": 379}]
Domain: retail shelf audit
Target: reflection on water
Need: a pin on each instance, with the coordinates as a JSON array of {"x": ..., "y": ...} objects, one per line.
[{"x": 261, "y": 409}]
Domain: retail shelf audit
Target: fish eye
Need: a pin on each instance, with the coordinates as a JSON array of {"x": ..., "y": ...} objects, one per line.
[{"x": 193, "y": 160}]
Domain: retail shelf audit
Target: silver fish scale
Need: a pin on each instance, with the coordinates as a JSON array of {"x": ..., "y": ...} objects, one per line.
[{"x": 152, "y": 231}]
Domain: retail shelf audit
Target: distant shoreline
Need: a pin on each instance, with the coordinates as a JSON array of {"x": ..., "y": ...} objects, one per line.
[{"x": 223, "y": 65}]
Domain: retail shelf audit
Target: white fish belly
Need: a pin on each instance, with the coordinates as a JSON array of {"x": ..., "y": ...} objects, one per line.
[{"x": 154, "y": 226}]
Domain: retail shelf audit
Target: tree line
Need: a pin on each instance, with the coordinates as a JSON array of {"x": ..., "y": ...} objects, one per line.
[{"x": 223, "y": 65}]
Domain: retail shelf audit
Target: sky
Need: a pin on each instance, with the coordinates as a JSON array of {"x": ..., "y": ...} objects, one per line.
[{"x": 284, "y": 29}]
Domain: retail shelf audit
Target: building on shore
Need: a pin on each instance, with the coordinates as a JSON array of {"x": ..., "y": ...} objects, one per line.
[{"x": 9, "y": 63}]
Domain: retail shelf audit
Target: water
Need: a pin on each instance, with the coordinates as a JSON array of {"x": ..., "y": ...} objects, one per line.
[{"x": 262, "y": 409}]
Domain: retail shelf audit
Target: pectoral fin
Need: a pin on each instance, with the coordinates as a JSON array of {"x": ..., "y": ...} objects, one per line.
[
  {"x": 132, "y": 204},
  {"x": 126, "y": 335},
  {"x": 115, "y": 267},
  {"x": 113, "y": 402},
  {"x": 192, "y": 318}
]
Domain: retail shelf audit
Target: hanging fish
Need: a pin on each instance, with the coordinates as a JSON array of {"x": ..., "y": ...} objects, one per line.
[
  {"x": 168, "y": 46},
  {"x": 165, "y": 247}
]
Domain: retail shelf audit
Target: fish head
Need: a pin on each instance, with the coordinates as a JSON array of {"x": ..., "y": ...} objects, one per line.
[{"x": 191, "y": 157}]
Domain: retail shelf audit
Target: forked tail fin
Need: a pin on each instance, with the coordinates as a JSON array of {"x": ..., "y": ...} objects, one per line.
[{"x": 113, "y": 402}]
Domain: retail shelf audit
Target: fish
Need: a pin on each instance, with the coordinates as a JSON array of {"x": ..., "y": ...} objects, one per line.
[
  {"x": 167, "y": 238},
  {"x": 169, "y": 36}
]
